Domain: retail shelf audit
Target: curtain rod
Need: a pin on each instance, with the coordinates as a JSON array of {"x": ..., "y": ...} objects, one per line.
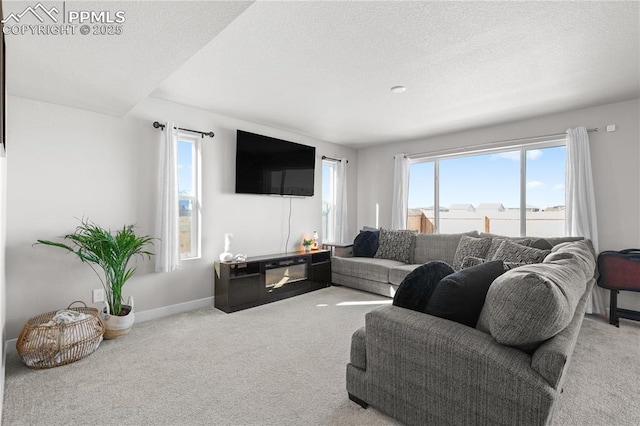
[
  {"x": 202, "y": 134},
  {"x": 324, "y": 157},
  {"x": 490, "y": 144}
]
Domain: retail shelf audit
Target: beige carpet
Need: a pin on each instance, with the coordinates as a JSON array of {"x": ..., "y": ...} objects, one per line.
[{"x": 278, "y": 364}]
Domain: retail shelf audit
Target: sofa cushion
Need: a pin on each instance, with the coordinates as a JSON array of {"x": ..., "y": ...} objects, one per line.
[
  {"x": 514, "y": 252},
  {"x": 580, "y": 251},
  {"x": 554, "y": 241},
  {"x": 398, "y": 273},
  {"x": 415, "y": 290},
  {"x": 460, "y": 296},
  {"x": 395, "y": 245},
  {"x": 470, "y": 246},
  {"x": 530, "y": 304},
  {"x": 535, "y": 242},
  {"x": 365, "y": 244},
  {"x": 430, "y": 247},
  {"x": 364, "y": 267}
]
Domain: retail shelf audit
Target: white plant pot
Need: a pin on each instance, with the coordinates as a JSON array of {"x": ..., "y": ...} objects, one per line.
[{"x": 117, "y": 325}]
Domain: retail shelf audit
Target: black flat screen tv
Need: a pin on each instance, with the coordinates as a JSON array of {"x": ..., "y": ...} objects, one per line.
[{"x": 273, "y": 166}]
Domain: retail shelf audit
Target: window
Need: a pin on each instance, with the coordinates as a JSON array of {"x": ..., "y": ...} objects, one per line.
[
  {"x": 512, "y": 191},
  {"x": 328, "y": 200},
  {"x": 189, "y": 195}
]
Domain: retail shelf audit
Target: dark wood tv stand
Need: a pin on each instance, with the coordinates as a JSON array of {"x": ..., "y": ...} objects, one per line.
[{"x": 265, "y": 279}]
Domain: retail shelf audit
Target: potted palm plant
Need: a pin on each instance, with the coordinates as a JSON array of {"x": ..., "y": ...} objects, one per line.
[{"x": 110, "y": 252}]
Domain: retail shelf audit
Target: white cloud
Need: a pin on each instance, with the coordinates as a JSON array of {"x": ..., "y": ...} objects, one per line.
[
  {"x": 511, "y": 155},
  {"x": 559, "y": 187},
  {"x": 534, "y": 154},
  {"x": 535, "y": 184}
]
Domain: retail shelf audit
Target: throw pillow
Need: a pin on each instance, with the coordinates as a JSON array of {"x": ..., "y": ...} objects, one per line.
[
  {"x": 460, "y": 296},
  {"x": 496, "y": 241},
  {"x": 395, "y": 245},
  {"x": 415, "y": 290},
  {"x": 540, "y": 243},
  {"x": 365, "y": 244},
  {"x": 469, "y": 246},
  {"x": 372, "y": 229},
  {"x": 470, "y": 261},
  {"x": 514, "y": 252},
  {"x": 473, "y": 261}
]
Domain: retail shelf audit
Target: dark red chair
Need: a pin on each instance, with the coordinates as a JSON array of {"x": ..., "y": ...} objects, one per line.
[{"x": 620, "y": 271}]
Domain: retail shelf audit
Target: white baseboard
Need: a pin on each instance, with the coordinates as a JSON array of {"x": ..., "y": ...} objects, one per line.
[
  {"x": 178, "y": 308},
  {"x": 165, "y": 311}
]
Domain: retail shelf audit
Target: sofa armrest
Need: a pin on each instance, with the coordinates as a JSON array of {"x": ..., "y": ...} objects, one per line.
[
  {"x": 551, "y": 358},
  {"x": 358, "y": 349},
  {"x": 425, "y": 369},
  {"x": 339, "y": 249}
]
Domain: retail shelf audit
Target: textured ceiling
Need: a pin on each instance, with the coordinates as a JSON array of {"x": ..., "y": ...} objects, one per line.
[
  {"x": 324, "y": 68},
  {"x": 110, "y": 73}
]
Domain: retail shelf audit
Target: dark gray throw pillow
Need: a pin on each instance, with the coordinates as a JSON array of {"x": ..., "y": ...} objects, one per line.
[
  {"x": 365, "y": 244},
  {"x": 416, "y": 288},
  {"x": 460, "y": 296}
]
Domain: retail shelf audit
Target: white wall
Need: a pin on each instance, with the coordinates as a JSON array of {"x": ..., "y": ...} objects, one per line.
[
  {"x": 615, "y": 160},
  {"x": 3, "y": 298},
  {"x": 66, "y": 163}
]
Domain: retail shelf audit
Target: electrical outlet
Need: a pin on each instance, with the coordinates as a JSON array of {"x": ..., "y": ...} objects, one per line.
[{"x": 98, "y": 295}]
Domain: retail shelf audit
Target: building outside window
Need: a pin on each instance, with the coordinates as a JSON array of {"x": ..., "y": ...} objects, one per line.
[
  {"x": 513, "y": 191},
  {"x": 189, "y": 195}
]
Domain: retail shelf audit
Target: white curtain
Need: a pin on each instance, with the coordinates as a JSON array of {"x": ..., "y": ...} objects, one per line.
[
  {"x": 581, "y": 220},
  {"x": 342, "y": 221},
  {"x": 168, "y": 248},
  {"x": 400, "y": 192}
]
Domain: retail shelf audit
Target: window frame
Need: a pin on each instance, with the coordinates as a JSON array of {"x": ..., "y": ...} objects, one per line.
[
  {"x": 196, "y": 197},
  {"x": 522, "y": 148}
]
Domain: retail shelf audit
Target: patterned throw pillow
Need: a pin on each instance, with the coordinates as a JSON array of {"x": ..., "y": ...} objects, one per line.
[
  {"x": 469, "y": 246},
  {"x": 470, "y": 261},
  {"x": 514, "y": 252},
  {"x": 496, "y": 241},
  {"x": 395, "y": 245}
]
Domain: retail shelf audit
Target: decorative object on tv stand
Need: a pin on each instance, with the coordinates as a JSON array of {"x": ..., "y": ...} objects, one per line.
[
  {"x": 111, "y": 253},
  {"x": 307, "y": 244},
  {"x": 314, "y": 246},
  {"x": 227, "y": 256}
]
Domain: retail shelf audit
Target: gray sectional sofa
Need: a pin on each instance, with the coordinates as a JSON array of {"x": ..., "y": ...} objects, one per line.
[
  {"x": 383, "y": 276},
  {"x": 508, "y": 370}
]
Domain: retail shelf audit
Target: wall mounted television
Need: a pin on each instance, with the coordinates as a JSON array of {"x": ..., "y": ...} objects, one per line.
[{"x": 266, "y": 165}]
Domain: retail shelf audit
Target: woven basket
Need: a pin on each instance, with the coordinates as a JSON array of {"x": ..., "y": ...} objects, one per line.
[{"x": 46, "y": 346}]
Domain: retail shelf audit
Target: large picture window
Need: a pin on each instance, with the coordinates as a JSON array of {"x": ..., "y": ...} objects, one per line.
[
  {"x": 513, "y": 191},
  {"x": 189, "y": 195}
]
